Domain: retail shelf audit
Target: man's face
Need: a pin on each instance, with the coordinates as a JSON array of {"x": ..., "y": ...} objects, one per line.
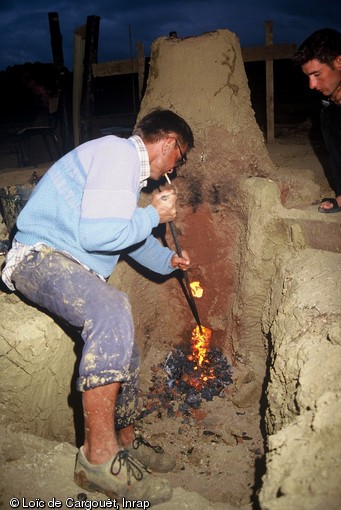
[
  {"x": 322, "y": 77},
  {"x": 170, "y": 156}
]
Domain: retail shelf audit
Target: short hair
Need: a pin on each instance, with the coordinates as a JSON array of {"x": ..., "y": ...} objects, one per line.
[
  {"x": 160, "y": 123},
  {"x": 323, "y": 45}
]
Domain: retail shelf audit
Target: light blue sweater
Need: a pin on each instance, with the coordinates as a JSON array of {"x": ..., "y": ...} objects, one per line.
[{"x": 86, "y": 205}]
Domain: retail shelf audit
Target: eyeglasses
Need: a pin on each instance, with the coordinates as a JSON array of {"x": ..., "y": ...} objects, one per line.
[{"x": 183, "y": 158}]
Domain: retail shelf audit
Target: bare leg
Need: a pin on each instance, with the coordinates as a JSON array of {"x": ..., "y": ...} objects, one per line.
[
  {"x": 126, "y": 435},
  {"x": 152, "y": 456},
  {"x": 99, "y": 403}
]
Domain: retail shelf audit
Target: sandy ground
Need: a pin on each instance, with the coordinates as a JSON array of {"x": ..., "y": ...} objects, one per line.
[{"x": 218, "y": 447}]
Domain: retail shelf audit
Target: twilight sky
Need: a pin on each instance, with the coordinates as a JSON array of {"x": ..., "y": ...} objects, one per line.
[{"x": 25, "y": 34}]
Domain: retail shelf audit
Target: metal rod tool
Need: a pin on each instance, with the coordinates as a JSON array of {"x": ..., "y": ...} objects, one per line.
[
  {"x": 188, "y": 293},
  {"x": 187, "y": 287}
]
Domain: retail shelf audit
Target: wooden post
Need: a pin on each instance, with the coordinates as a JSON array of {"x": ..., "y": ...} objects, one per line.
[
  {"x": 269, "y": 53},
  {"x": 64, "y": 107},
  {"x": 78, "y": 70},
  {"x": 56, "y": 40},
  {"x": 90, "y": 57},
  {"x": 132, "y": 72},
  {"x": 270, "y": 123},
  {"x": 140, "y": 66}
]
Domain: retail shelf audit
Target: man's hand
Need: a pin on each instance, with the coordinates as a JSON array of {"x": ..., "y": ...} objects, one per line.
[
  {"x": 336, "y": 95},
  {"x": 164, "y": 203},
  {"x": 181, "y": 262}
]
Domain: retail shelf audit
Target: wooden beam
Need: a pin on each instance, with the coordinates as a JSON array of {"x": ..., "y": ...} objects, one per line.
[
  {"x": 267, "y": 53},
  {"x": 114, "y": 68},
  {"x": 273, "y": 52},
  {"x": 119, "y": 67}
]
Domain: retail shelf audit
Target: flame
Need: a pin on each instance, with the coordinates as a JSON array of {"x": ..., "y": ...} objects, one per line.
[
  {"x": 197, "y": 290},
  {"x": 200, "y": 341}
]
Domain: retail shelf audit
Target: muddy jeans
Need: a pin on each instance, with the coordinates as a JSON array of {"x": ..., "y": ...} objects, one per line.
[{"x": 57, "y": 283}]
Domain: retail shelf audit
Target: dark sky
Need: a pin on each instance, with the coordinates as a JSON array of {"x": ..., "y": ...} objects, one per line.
[{"x": 25, "y": 35}]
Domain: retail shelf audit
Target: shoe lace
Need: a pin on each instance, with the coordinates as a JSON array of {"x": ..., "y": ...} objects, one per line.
[
  {"x": 133, "y": 467},
  {"x": 141, "y": 440}
]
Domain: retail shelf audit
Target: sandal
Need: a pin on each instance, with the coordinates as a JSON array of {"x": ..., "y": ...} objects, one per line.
[{"x": 336, "y": 208}]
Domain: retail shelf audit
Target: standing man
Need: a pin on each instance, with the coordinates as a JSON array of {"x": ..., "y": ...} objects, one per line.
[
  {"x": 320, "y": 59},
  {"x": 82, "y": 214}
]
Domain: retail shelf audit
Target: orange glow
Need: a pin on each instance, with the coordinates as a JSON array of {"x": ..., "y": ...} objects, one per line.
[{"x": 197, "y": 290}]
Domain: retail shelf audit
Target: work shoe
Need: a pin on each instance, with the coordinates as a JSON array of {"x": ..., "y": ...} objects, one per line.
[
  {"x": 121, "y": 477},
  {"x": 152, "y": 457}
]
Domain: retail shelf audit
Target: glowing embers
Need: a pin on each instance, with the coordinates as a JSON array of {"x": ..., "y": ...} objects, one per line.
[
  {"x": 196, "y": 381},
  {"x": 201, "y": 373},
  {"x": 187, "y": 383},
  {"x": 195, "y": 371}
]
